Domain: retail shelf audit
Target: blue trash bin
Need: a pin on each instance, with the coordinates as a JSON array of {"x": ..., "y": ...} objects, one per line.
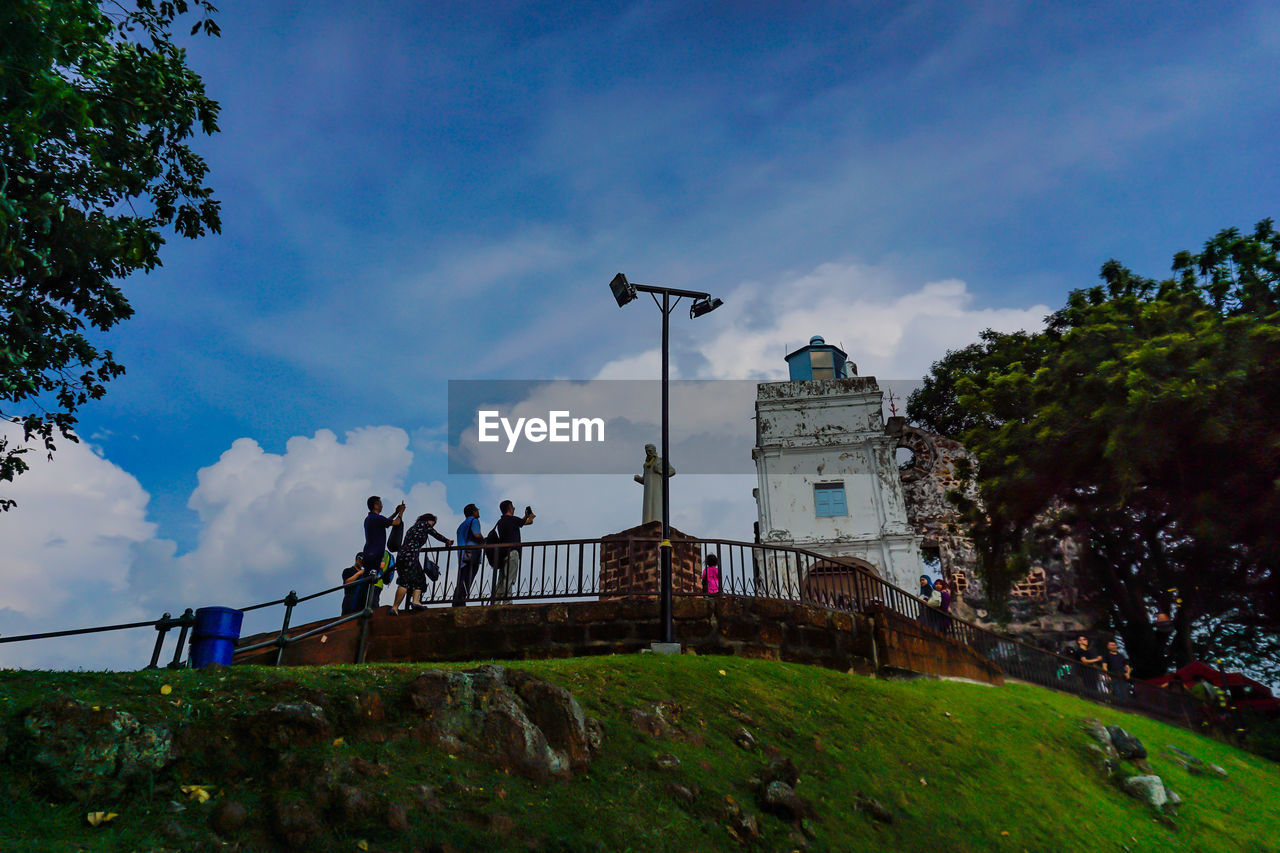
[{"x": 213, "y": 639}]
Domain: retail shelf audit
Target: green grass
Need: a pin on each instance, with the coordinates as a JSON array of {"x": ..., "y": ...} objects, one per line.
[{"x": 1007, "y": 770}]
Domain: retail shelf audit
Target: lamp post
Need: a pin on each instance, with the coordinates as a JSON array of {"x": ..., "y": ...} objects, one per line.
[{"x": 702, "y": 303}]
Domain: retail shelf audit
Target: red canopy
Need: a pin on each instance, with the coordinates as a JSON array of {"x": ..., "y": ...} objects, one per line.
[{"x": 1244, "y": 691}]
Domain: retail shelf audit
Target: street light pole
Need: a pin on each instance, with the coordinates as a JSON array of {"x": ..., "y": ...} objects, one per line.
[
  {"x": 703, "y": 303},
  {"x": 664, "y": 550}
]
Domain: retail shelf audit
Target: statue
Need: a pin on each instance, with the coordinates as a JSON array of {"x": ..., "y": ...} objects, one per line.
[{"x": 651, "y": 479}]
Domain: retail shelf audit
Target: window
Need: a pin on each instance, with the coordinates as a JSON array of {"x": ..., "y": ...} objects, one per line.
[
  {"x": 823, "y": 365},
  {"x": 828, "y": 499},
  {"x": 931, "y": 557}
]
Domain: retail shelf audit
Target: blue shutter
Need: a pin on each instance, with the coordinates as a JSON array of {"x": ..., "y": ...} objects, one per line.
[{"x": 828, "y": 500}]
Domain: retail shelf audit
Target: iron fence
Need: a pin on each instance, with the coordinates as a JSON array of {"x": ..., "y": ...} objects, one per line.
[{"x": 572, "y": 569}]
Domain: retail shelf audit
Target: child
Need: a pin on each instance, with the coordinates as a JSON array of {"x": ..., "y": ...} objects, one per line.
[{"x": 711, "y": 575}]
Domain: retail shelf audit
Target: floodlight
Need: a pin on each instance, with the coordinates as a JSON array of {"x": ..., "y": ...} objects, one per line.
[
  {"x": 704, "y": 306},
  {"x": 623, "y": 290}
]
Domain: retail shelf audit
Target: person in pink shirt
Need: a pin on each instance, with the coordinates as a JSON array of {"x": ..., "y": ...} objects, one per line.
[{"x": 711, "y": 575}]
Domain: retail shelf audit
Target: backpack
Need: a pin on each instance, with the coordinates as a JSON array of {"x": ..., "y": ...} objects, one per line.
[{"x": 491, "y": 554}]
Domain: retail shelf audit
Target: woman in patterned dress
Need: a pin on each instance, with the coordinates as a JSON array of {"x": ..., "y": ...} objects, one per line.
[{"x": 413, "y": 580}]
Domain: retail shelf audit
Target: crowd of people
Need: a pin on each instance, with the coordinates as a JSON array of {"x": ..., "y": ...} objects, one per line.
[{"x": 390, "y": 553}]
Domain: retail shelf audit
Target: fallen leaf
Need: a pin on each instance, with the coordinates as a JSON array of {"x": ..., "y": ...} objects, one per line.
[
  {"x": 199, "y": 793},
  {"x": 1005, "y": 832},
  {"x": 922, "y": 782},
  {"x": 722, "y": 672},
  {"x": 99, "y": 818},
  {"x": 97, "y": 707},
  {"x": 362, "y": 844},
  {"x": 339, "y": 741},
  {"x": 165, "y": 690}
]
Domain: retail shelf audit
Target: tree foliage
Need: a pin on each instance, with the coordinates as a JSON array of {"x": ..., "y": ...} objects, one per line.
[
  {"x": 97, "y": 105},
  {"x": 1143, "y": 417}
]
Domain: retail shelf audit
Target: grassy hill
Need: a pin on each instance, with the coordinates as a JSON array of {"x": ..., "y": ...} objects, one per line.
[{"x": 957, "y": 766}]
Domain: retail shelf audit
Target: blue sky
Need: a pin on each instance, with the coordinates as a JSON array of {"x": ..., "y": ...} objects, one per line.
[{"x": 414, "y": 193}]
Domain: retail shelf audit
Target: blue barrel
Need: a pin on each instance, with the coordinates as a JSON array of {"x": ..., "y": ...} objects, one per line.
[{"x": 214, "y": 638}]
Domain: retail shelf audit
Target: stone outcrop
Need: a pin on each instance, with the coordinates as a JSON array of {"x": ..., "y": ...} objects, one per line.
[
  {"x": 90, "y": 753},
  {"x": 507, "y": 717}
]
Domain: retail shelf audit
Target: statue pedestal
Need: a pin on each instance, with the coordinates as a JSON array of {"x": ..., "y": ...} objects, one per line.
[{"x": 634, "y": 568}]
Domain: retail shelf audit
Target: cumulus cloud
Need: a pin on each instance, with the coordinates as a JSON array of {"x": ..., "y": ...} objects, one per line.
[
  {"x": 889, "y": 327},
  {"x": 82, "y": 552},
  {"x": 67, "y": 550}
]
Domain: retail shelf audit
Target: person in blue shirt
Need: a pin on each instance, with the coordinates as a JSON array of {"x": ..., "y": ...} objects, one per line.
[
  {"x": 469, "y": 558},
  {"x": 375, "y": 533}
]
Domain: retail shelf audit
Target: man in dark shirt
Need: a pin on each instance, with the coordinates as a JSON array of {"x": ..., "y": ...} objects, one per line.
[
  {"x": 353, "y": 577},
  {"x": 508, "y": 528},
  {"x": 375, "y": 534},
  {"x": 1117, "y": 666},
  {"x": 1082, "y": 653}
]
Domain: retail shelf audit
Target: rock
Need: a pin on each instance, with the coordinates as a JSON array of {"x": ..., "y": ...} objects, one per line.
[
  {"x": 1106, "y": 759},
  {"x": 681, "y": 794},
  {"x": 1149, "y": 789},
  {"x": 744, "y": 739},
  {"x": 666, "y": 761},
  {"x": 294, "y": 823},
  {"x": 780, "y": 799},
  {"x": 173, "y": 831},
  {"x": 595, "y": 734},
  {"x": 1216, "y": 770},
  {"x": 1097, "y": 731},
  {"x": 351, "y": 804},
  {"x": 396, "y": 819},
  {"x": 742, "y": 825},
  {"x": 369, "y": 707},
  {"x": 741, "y": 716},
  {"x": 508, "y": 717},
  {"x": 872, "y": 808},
  {"x": 87, "y": 754},
  {"x": 426, "y": 798},
  {"x": 289, "y": 724},
  {"x": 782, "y": 770},
  {"x": 1127, "y": 746},
  {"x": 648, "y": 723},
  {"x": 554, "y": 710},
  {"x": 1173, "y": 800},
  {"x": 227, "y": 817}
]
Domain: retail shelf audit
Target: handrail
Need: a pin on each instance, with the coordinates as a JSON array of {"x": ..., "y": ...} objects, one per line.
[{"x": 754, "y": 569}]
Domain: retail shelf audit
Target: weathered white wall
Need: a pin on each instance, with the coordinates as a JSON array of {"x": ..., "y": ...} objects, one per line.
[{"x": 829, "y": 431}]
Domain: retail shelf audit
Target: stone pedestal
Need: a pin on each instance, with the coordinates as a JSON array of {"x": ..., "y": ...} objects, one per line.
[{"x": 634, "y": 568}]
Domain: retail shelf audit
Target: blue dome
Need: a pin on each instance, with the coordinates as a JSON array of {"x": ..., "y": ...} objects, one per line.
[{"x": 816, "y": 340}]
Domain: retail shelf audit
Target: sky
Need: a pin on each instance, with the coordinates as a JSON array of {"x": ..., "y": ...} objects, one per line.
[{"x": 416, "y": 193}]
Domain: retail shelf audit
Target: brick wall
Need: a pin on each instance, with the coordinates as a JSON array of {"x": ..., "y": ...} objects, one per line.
[
  {"x": 635, "y": 567},
  {"x": 730, "y": 625}
]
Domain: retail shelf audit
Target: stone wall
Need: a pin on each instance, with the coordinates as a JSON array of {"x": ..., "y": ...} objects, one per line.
[
  {"x": 761, "y": 628},
  {"x": 1048, "y": 607},
  {"x": 635, "y": 567}
]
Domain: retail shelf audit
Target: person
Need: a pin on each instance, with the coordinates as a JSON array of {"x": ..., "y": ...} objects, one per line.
[
  {"x": 941, "y": 599},
  {"x": 508, "y": 559},
  {"x": 926, "y": 592},
  {"x": 353, "y": 578},
  {"x": 711, "y": 575},
  {"x": 413, "y": 579},
  {"x": 1117, "y": 667},
  {"x": 375, "y": 534},
  {"x": 1082, "y": 654},
  {"x": 469, "y": 558}
]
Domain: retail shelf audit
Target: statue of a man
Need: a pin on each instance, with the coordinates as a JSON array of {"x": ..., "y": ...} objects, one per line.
[{"x": 651, "y": 479}]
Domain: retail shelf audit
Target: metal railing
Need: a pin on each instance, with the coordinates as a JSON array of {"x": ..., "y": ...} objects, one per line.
[
  {"x": 162, "y": 625},
  {"x": 571, "y": 569}
]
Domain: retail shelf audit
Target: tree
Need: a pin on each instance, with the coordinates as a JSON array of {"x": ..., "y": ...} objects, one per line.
[
  {"x": 96, "y": 106},
  {"x": 1144, "y": 417}
]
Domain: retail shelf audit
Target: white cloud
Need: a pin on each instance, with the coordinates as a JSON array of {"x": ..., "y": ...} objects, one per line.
[{"x": 67, "y": 549}]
